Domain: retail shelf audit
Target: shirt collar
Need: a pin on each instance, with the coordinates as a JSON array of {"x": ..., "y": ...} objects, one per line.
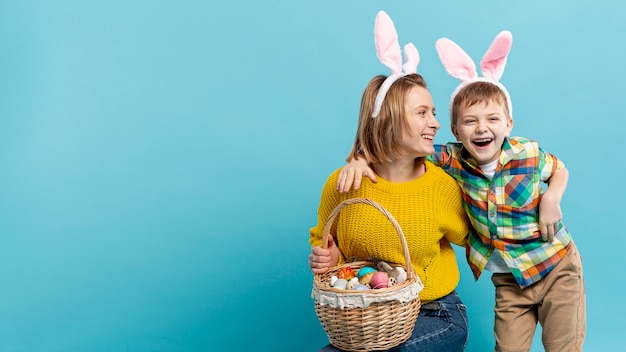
[{"x": 510, "y": 148}]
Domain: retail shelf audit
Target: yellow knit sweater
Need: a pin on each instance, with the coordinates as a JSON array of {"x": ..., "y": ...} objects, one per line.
[{"x": 430, "y": 212}]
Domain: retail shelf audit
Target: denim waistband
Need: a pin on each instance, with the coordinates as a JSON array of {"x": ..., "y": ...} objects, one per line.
[
  {"x": 452, "y": 297},
  {"x": 434, "y": 305}
]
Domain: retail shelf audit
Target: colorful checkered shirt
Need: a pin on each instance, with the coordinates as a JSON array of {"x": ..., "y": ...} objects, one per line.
[{"x": 504, "y": 211}]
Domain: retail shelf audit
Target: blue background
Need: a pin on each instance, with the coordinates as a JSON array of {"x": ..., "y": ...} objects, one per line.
[{"x": 161, "y": 161}]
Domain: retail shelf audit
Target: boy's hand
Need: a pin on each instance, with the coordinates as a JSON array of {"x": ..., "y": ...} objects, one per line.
[
  {"x": 353, "y": 173},
  {"x": 550, "y": 205},
  {"x": 320, "y": 260},
  {"x": 549, "y": 217}
]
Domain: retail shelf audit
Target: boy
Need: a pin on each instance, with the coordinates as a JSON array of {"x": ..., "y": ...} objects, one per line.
[{"x": 518, "y": 235}]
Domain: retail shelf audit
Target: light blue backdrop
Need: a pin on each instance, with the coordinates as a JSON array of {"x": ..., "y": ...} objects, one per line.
[{"x": 161, "y": 161}]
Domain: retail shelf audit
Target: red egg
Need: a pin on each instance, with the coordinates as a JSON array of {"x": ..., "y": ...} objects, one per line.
[
  {"x": 346, "y": 273},
  {"x": 379, "y": 280}
]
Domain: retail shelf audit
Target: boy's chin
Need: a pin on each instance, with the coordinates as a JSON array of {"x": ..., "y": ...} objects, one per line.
[{"x": 482, "y": 156}]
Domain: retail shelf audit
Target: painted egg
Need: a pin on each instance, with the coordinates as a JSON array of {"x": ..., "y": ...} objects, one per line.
[
  {"x": 346, "y": 273},
  {"x": 341, "y": 284},
  {"x": 379, "y": 280},
  {"x": 352, "y": 282},
  {"x": 366, "y": 270},
  {"x": 360, "y": 287},
  {"x": 400, "y": 274},
  {"x": 365, "y": 279},
  {"x": 333, "y": 279}
]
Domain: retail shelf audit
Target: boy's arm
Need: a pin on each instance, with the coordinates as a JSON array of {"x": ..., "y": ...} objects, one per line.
[
  {"x": 353, "y": 173},
  {"x": 550, "y": 214}
]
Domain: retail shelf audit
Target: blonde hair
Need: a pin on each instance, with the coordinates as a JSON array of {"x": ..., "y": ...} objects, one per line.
[
  {"x": 476, "y": 93},
  {"x": 379, "y": 139}
]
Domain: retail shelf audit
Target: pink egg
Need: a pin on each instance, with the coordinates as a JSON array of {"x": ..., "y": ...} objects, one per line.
[{"x": 379, "y": 280}]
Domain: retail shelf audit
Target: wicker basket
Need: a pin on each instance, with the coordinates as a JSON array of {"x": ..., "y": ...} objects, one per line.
[{"x": 381, "y": 318}]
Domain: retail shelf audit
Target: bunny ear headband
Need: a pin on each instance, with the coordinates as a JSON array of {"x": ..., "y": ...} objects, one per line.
[
  {"x": 460, "y": 65},
  {"x": 389, "y": 53}
]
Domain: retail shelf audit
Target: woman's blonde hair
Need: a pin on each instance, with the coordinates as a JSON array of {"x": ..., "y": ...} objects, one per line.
[
  {"x": 379, "y": 139},
  {"x": 476, "y": 93}
]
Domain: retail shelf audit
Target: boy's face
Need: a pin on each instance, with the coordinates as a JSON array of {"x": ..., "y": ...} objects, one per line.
[{"x": 482, "y": 128}]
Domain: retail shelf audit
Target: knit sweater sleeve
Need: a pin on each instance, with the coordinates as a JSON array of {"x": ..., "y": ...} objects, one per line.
[
  {"x": 457, "y": 223},
  {"x": 329, "y": 199}
]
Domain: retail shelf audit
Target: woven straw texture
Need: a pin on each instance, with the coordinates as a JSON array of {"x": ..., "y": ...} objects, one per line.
[{"x": 379, "y": 326}]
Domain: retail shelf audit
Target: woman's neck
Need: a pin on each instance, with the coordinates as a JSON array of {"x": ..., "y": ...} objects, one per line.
[{"x": 403, "y": 170}]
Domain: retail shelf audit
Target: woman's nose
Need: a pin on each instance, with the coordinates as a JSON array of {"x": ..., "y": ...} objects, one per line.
[{"x": 434, "y": 123}]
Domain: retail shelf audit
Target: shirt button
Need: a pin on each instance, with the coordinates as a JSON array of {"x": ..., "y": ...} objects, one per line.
[{"x": 491, "y": 215}]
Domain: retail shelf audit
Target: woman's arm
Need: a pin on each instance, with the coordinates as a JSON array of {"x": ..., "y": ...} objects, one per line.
[{"x": 320, "y": 259}]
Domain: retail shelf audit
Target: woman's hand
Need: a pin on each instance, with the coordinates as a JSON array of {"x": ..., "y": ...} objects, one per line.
[
  {"x": 353, "y": 173},
  {"x": 320, "y": 260}
]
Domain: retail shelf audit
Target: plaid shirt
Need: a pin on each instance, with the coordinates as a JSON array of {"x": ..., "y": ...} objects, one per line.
[{"x": 505, "y": 211}]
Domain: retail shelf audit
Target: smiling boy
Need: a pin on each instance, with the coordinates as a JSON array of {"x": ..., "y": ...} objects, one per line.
[
  {"x": 537, "y": 271},
  {"x": 512, "y": 191}
]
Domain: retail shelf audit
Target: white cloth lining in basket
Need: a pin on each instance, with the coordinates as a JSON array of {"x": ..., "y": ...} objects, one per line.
[{"x": 362, "y": 299}]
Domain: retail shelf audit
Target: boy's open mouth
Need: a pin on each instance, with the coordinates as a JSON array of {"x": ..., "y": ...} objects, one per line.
[{"x": 482, "y": 142}]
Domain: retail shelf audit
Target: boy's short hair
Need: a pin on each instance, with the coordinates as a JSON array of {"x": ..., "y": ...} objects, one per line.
[
  {"x": 476, "y": 93},
  {"x": 379, "y": 138}
]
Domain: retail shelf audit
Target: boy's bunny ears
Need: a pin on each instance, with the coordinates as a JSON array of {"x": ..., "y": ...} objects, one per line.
[
  {"x": 460, "y": 65},
  {"x": 389, "y": 53}
]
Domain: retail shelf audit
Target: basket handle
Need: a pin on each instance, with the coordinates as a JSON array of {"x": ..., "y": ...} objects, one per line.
[{"x": 345, "y": 203}]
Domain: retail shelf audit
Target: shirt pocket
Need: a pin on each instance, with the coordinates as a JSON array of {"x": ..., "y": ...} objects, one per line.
[{"x": 519, "y": 190}]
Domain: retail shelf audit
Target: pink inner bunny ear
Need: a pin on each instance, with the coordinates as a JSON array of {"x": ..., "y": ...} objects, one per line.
[
  {"x": 411, "y": 58},
  {"x": 455, "y": 60},
  {"x": 493, "y": 62},
  {"x": 386, "y": 40}
]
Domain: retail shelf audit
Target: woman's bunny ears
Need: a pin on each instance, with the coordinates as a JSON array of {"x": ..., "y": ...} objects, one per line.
[
  {"x": 389, "y": 53},
  {"x": 460, "y": 65}
]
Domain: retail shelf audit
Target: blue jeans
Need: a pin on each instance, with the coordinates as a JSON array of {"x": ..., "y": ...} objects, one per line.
[{"x": 440, "y": 326}]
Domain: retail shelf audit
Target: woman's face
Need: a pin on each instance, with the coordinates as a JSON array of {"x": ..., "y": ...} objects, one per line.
[{"x": 420, "y": 117}]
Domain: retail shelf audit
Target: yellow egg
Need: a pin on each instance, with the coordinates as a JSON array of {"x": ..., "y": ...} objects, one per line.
[{"x": 366, "y": 278}]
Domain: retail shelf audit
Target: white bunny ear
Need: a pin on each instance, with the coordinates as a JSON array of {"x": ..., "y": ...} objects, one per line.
[
  {"x": 386, "y": 41},
  {"x": 455, "y": 60},
  {"x": 388, "y": 52},
  {"x": 493, "y": 62},
  {"x": 411, "y": 59}
]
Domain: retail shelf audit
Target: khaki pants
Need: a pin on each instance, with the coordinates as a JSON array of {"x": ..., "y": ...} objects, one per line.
[{"x": 557, "y": 302}]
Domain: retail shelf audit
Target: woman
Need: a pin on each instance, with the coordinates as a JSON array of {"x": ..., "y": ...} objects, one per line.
[{"x": 396, "y": 129}]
